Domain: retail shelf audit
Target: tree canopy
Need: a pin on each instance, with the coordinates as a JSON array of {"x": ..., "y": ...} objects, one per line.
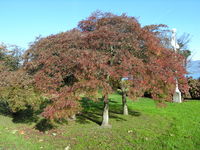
[{"x": 102, "y": 50}]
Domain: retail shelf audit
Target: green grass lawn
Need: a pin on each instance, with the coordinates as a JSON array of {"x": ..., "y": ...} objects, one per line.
[{"x": 148, "y": 127}]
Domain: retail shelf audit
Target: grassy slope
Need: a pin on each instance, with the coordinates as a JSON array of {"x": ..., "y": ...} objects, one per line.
[{"x": 147, "y": 127}]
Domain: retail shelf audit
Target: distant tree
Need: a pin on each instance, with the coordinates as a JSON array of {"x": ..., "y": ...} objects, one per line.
[
  {"x": 183, "y": 42},
  {"x": 10, "y": 56},
  {"x": 17, "y": 89}
]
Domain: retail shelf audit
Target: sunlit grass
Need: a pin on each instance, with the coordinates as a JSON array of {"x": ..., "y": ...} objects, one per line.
[{"x": 148, "y": 127}]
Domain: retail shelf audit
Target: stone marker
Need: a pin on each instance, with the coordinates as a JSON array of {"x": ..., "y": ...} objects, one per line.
[{"x": 177, "y": 94}]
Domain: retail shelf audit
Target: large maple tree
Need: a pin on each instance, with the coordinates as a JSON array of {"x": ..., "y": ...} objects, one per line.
[{"x": 102, "y": 49}]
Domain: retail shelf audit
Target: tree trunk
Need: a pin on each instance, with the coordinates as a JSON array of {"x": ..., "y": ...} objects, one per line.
[
  {"x": 125, "y": 107},
  {"x": 105, "y": 122}
]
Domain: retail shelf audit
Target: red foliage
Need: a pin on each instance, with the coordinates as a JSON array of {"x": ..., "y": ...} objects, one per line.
[{"x": 104, "y": 47}]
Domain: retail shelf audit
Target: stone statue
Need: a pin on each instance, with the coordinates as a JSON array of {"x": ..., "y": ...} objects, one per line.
[
  {"x": 177, "y": 94},
  {"x": 173, "y": 40}
]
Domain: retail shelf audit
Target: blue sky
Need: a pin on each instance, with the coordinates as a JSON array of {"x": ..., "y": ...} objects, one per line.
[{"x": 23, "y": 20}]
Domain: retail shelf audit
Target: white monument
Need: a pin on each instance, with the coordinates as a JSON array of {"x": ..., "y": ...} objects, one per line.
[{"x": 177, "y": 94}]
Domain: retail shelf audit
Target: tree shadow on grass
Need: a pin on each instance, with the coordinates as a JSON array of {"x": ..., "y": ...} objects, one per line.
[
  {"x": 44, "y": 125},
  {"x": 130, "y": 112},
  {"x": 189, "y": 99},
  {"x": 118, "y": 109},
  {"x": 22, "y": 116},
  {"x": 92, "y": 111},
  {"x": 87, "y": 117},
  {"x": 29, "y": 115},
  {"x": 134, "y": 113},
  {"x": 25, "y": 116}
]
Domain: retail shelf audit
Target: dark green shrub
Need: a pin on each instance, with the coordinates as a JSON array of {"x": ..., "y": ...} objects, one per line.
[{"x": 194, "y": 88}]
